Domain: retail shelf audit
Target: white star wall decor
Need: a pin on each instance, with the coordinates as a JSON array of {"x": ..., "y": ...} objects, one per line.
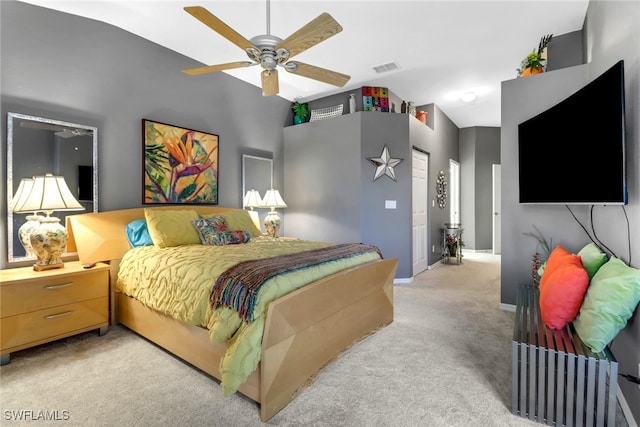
[{"x": 384, "y": 164}]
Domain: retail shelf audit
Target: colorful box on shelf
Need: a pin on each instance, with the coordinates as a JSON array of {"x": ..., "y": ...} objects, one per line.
[{"x": 375, "y": 98}]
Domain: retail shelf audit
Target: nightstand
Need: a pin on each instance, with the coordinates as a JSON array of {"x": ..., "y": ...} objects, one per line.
[{"x": 38, "y": 307}]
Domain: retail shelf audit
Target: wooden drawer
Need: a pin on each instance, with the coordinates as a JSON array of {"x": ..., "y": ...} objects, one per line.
[
  {"x": 45, "y": 292},
  {"x": 33, "y": 328}
]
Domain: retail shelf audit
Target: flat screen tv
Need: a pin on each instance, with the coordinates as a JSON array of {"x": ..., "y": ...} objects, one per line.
[{"x": 574, "y": 152}]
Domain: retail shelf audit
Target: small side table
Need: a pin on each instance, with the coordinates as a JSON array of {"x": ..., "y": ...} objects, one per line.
[{"x": 452, "y": 245}]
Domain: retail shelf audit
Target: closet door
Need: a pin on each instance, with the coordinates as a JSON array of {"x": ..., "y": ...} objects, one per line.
[{"x": 420, "y": 212}]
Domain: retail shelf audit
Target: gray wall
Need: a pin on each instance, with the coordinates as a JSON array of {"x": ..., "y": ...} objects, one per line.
[
  {"x": 612, "y": 33},
  {"x": 329, "y": 183},
  {"x": 479, "y": 150},
  {"x": 74, "y": 69}
]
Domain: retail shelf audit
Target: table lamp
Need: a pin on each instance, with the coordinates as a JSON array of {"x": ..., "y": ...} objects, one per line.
[
  {"x": 48, "y": 240},
  {"x": 273, "y": 200},
  {"x": 33, "y": 219},
  {"x": 252, "y": 200}
]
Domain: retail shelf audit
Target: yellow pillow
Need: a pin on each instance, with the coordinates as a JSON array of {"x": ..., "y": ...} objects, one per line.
[
  {"x": 171, "y": 227},
  {"x": 239, "y": 219}
]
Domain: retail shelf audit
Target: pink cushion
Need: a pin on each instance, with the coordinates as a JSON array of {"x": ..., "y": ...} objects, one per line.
[{"x": 562, "y": 295}]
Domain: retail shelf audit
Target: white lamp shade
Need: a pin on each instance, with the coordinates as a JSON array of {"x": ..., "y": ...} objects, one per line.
[
  {"x": 48, "y": 193},
  {"x": 272, "y": 199},
  {"x": 24, "y": 188},
  {"x": 252, "y": 199}
]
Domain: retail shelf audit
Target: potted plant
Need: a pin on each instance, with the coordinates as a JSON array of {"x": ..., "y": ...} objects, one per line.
[
  {"x": 300, "y": 112},
  {"x": 535, "y": 62}
]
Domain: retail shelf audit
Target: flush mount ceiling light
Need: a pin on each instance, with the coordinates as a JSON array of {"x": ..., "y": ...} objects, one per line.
[{"x": 468, "y": 97}]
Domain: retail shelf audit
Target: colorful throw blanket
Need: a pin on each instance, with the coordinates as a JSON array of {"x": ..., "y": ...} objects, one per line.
[{"x": 239, "y": 286}]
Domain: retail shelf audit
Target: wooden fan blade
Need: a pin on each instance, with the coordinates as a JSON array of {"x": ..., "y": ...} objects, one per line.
[
  {"x": 219, "y": 67},
  {"x": 270, "y": 82},
  {"x": 213, "y": 22},
  {"x": 321, "y": 28},
  {"x": 317, "y": 73}
]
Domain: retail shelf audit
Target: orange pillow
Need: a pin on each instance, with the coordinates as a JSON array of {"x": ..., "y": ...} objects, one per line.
[
  {"x": 562, "y": 295},
  {"x": 559, "y": 257}
]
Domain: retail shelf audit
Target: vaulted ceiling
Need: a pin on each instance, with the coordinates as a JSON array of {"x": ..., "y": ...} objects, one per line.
[{"x": 441, "y": 49}]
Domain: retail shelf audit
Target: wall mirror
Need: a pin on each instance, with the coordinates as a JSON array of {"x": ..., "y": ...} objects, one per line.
[
  {"x": 257, "y": 174},
  {"x": 36, "y": 146}
]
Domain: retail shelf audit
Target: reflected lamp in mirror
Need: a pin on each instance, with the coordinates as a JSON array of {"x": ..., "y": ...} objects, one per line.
[
  {"x": 252, "y": 200},
  {"x": 49, "y": 239},
  {"x": 272, "y": 200},
  {"x": 33, "y": 219}
]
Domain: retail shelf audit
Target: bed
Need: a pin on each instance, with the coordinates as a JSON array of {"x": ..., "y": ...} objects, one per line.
[{"x": 303, "y": 329}]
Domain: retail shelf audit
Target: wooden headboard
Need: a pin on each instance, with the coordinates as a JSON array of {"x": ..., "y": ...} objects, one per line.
[{"x": 101, "y": 236}]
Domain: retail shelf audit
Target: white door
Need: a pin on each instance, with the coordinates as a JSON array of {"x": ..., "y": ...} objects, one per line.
[
  {"x": 420, "y": 212},
  {"x": 495, "y": 169},
  {"x": 454, "y": 192}
]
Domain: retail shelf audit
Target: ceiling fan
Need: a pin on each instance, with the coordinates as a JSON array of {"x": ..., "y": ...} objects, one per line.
[{"x": 270, "y": 51}]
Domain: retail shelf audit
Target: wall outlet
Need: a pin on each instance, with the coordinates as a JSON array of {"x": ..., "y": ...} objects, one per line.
[{"x": 433, "y": 248}]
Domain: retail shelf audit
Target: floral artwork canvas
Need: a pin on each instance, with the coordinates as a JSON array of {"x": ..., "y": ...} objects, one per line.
[{"x": 180, "y": 165}]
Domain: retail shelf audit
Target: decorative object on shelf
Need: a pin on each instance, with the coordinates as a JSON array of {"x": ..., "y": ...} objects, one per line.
[
  {"x": 422, "y": 116},
  {"x": 300, "y": 112},
  {"x": 411, "y": 108},
  {"x": 49, "y": 239},
  {"x": 441, "y": 190},
  {"x": 253, "y": 200},
  {"x": 180, "y": 165},
  {"x": 403, "y": 107},
  {"x": 352, "y": 103},
  {"x": 384, "y": 164},
  {"x": 326, "y": 113},
  {"x": 272, "y": 200},
  {"x": 375, "y": 99},
  {"x": 33, "y": 219},
  {"x": 536, "y": 61},
  {"x": 452, "y": 242}
]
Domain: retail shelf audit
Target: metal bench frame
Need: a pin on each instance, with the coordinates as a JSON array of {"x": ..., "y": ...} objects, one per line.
[{"x": 556, "y": 378}]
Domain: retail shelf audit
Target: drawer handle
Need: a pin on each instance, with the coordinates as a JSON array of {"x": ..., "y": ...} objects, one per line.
[
  {"x": 55, "y": 316},
  {"x": 64, "y": 285}
]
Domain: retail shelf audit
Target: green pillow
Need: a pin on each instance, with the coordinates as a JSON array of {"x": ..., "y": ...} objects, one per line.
[
  {"x": 592, "y": 258},
  {"x": 611, "y": 299}
]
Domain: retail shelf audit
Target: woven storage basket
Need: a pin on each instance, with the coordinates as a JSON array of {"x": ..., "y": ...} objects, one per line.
[{"x": 326, "y": 113}]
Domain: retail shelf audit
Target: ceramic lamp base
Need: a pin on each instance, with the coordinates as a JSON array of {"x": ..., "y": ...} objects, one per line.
[
  {"x": 24, "y": 232},
  {"x": 49, "y": 241},
  {"x": 272, "y": 224}
]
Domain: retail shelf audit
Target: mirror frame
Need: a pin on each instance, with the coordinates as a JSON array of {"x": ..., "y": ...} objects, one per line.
[
  {"x": 246, "y": 159},
  {"x": 11, "y": 117}
]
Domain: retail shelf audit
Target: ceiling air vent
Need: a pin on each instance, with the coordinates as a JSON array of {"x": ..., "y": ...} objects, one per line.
[{"x": 384, "y": 68}]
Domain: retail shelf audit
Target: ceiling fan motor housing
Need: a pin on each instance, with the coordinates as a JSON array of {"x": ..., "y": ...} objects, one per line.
[{"x": 266, "y": 54}]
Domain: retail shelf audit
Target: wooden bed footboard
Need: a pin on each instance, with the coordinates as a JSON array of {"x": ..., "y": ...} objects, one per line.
[
  {"x": 309, "y": 327},
  {"x": 304, "y": 330}
]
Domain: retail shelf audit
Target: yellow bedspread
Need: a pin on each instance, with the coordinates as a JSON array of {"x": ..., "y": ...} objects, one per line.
[{"x": 177, "y": 281}]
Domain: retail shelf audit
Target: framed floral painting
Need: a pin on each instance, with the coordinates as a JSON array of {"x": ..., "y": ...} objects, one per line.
[{"x": 180, "y": 165}]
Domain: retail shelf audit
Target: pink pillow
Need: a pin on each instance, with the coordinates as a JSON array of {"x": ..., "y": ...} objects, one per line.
[
  {"x": 562, "y": 294},
  {"x": 559, "y": 257}
]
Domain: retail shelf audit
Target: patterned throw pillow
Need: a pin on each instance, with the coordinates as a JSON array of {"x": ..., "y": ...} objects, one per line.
[{"x": 215, "y": 231}]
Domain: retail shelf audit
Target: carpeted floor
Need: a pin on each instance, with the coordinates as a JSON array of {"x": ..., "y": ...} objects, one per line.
[{"x": 444, "y": 361}]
